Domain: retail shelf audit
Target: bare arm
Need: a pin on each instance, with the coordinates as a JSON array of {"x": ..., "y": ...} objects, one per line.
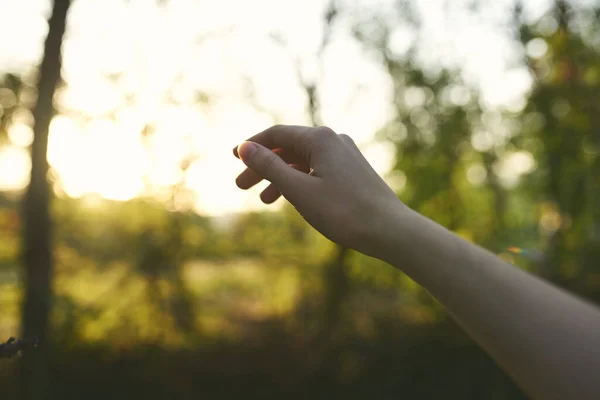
[{"x": 546, "y": 339}]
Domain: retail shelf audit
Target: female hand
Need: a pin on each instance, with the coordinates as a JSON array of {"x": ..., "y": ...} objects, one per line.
[{"x": 325, "y": 177}]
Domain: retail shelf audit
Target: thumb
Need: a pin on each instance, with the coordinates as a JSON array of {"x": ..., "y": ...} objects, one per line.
[{"x": 268, "y": 165}]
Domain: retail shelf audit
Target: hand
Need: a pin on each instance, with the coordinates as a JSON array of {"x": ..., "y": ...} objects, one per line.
[{"x": 326, "y": 178}]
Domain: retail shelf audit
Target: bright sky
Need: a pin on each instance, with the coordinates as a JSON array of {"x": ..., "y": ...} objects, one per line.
[{"x": 167, "y": 55}]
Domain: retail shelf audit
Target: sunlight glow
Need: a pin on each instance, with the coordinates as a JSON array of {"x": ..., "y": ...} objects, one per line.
[
  {"x": 201, "y": 79},
  {"x": 98, "y": 159},
  {"x": 15, "y": 166},
  {"x": 20, "y": 135}
]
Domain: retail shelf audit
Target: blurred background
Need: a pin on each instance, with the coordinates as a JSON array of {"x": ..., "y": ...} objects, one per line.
[{"x": 127, "y": 248}]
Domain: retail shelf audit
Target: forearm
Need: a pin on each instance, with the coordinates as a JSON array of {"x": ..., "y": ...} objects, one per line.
[{"x": 546, "y": 339}]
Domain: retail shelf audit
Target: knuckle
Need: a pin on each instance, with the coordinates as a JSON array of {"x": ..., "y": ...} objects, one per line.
[
  {"x": 346, "y": 138},
  {"x": 273, "y": 129},
  {"x": 320, "y": 136},
  {"x": 325, "y": 131},
  {"x": 349, "y": 141},
  {"x": 270, "y": 130}
]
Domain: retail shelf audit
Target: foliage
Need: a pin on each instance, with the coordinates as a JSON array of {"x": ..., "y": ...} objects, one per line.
[{"x": 161, "y": 302}]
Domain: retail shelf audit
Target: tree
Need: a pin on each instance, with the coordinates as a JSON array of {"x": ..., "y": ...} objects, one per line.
[
  {"x": 335, "y": 279},
  {"x": 561, "y": 126},
  {"x": 335, "y": 275},
  {"x": 37, "y": 247}
]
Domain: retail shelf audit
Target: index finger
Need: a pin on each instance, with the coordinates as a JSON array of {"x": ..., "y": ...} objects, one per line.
[{"x": 291, "y": 137}]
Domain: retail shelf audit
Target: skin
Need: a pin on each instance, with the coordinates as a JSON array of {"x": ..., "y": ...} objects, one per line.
[{"x": 547, "y": 340}]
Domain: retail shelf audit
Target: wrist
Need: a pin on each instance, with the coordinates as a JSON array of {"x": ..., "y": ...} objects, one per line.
[{"x": 386, "y": 232}]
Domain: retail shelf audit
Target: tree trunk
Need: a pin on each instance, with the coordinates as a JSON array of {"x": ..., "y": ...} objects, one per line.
[
  {"x": 336, "y": 290},
  {"x": 37, "y": 248}
]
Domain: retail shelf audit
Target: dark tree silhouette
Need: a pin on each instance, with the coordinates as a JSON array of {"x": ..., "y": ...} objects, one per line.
[{"x": 37, "y": 246}]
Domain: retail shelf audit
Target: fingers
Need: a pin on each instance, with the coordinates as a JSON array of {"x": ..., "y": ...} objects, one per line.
[
  {"x": 271, "y": 194},
  {"x": 268, "y": 165},
  {"x": 279, "y": 136},
  {"x": 248, "y": 178},
  {"x": 300, "y": 139},
  {"x": 332, "y": 187},
  {"x": 294, "y": 145},
  {"x": 286, "y": 155}
]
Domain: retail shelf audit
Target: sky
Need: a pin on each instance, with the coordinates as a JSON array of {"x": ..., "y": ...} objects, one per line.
[{"x": 168, "y": 57}]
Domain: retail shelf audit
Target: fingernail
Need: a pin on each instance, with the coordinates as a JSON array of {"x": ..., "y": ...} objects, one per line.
[{"x": 246, "y": 150}]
